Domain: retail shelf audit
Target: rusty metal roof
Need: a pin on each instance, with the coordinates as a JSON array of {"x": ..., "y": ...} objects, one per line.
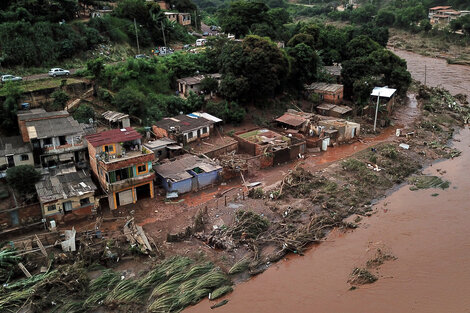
[
  {"x": 291, "y": 119},
  {"x": 113, "y": 136}
]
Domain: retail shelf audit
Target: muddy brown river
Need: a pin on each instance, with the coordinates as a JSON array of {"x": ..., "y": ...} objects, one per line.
[{"x": 428, "y": 233}]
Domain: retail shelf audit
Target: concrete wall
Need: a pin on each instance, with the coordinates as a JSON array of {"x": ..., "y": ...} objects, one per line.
[
  {"x": 75, "y": 205},
  {"x": 222, "y": 150},
  {"x": 17, "y": 160},
  {"x": 25, "y": 215}
]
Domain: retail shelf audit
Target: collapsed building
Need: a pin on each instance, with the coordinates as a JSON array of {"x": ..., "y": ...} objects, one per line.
[
  {"x": 319, "y": 131},
  {"x": 272, "y": 147}
]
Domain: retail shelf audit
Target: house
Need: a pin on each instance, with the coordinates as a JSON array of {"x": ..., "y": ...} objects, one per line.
[
  {"x": 187, "y": 84},
  {"x": 164, "y": 148},
  {"x": 273, "y": 147},
  {"x": 180, "y": 18},
  {"x": 334, "y": 71},
  {"x": 121, "y": 165},
  {"x": 187, "y": 173},
  {"x": 329, "y": 109},
  {"x": 55, "y": 137},
  {"x": 66, "y": 191},
  {"x": 442, "y": 15},
  {"x": 100, "y": 12},
  {"x": 14, "y": 152},
  {"x": 186, "y": 128},
  {"x": 332, "y": 93},
  {"x": 338, "y": 130},
  {"x": 184, "y": 19},
  {"x": 116, "y": 119}
]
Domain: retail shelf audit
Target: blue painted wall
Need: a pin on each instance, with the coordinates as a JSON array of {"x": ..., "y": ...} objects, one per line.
[
  {"x": 206, "y": 179},
  {"x": 203, "y": 180}
]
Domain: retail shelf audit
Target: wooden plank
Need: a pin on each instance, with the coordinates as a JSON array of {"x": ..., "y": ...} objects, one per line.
[
  {"x": 25, "y": 271},
  {"x": 43, "y": 250}
]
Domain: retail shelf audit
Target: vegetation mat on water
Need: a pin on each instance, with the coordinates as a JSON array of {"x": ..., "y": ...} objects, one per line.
[
  {"x": 426, "y": 182},
  {"x": 361, "y": 276}
]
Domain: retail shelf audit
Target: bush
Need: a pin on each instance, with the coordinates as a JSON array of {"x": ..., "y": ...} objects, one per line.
[
  {"x": 84, "y": 113},
  {"x": 60, "y": 99}
]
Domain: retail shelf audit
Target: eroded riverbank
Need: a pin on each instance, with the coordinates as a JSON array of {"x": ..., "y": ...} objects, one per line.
[{"x": 427, "y": 234}]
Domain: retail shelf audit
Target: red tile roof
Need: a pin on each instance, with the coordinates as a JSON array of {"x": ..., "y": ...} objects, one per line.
[
  {"x": 440, "y": 8},
  {"x": 113, "y": 136}
]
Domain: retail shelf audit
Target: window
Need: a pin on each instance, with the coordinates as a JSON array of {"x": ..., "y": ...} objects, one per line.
[
  {"x": 204, "y": 130},
  {"x": 24, "y": 157},
  {"x": 109, "y": 149},
  {"x": 84, "y": 201},
  {"x": 47, "y": 141},
  {"x": 190, "y": 135},
  {"x": 141, "y": 169},
  {"x": 51, "y": 208},
  {"x": 121, "y": 174}
]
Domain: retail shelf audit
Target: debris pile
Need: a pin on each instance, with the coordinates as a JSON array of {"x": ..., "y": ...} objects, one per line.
[
  {"x": 361, "y": 276},
  {"x": 426, "y": 182}
]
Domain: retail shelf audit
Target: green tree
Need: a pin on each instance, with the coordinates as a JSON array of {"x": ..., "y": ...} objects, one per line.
[
  {"x": 304, "y": 65},
  {"x": 385, "y": 18},
  {"x": 302, "y": 38},
  {"x": 22, "y": 179},
  {"x": 242, "y": 15},
  {"x": 131, "y": 101},
  {"x": 209, "y": 85},
  {"x": 95, "y": 67},
  {"x": 253, "y": 69},
  {"x": 60, "y": 99},
  {"x": 84, "y": 113}
]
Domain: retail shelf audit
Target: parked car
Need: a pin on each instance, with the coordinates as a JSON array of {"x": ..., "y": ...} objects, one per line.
[
  {"x": 11, "y": 78},
  {"x": 54, "y": 72},
  {"x": 201, "y": 42}
]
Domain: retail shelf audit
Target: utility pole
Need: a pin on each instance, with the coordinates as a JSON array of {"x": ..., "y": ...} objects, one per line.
[
  {"x": 195, "y": 19},
  {"x": 137, "y": 37},
  {"x": 376, "y": 111},
  {"x": 425, "y": 74},
  {"x": 163, "y": 32}
]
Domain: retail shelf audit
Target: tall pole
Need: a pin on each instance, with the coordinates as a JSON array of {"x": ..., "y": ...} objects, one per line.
[
  {"x": 163, "y": 33},
  {"x": 195, "y": 19},
  {"x": 136, "y": 37},
  {"x": 376, "y": 111},
  {"x": 425, "y": 74}
]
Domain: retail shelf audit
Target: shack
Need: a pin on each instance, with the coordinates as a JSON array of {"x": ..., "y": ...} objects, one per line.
[
  {"x": 14, "y": 152},
  {"x": 117, "y": 119},
  {"x": 187, "y": 173},
  {"x": 164, "y": 148},
  {"x": 66, "y": 191},
  {"x": 384, "y": 97},
  {"x": 332, "y": 93},
  {"x": 338, "y": 130},
  {"x": 334, "y": 110}
]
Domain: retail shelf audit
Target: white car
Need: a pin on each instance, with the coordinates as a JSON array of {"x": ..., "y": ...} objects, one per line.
[
  {"x": 54, "y": 72},
  {"x": 10, "y": 78}
]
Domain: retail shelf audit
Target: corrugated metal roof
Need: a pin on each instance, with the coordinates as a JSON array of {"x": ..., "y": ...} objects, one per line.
[
  {"x": 39, "y": 113},
  {"x": 291, "y": 119},
  {"x": 64, "y": 186},
  {"x": 324, "y": 87},
  {"x": 113, "y": 136},
  {"x": 383, "y": 92},
  {"x": 183, "y": 122},
  {"x": 178, "y": 170},
  {"x": 208, "y": 116},
  {"x": 53, "y": 127},
  {"x": 114, "y": 116},
  {"x": 162, "y": 142}
]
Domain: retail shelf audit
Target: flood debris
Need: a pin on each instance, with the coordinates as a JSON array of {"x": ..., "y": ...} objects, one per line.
[
  {"x": 136, "y": 236},
  {"x": 221, "y": 303},
  {"x": 361, "y": 276},
  {"x": 380, "y": 258},
  {"x": 426, "y": 182}
]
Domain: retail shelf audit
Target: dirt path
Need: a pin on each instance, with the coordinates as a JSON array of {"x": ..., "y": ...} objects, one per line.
[
  {"x": 46, "y": 75},
  {"x": 427, "y": 234}
]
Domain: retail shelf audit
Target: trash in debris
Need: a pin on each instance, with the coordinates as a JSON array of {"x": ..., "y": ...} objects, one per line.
[
  {"x": 136, "y": 235},
  {"x": 404, "y": 146},
  {"x": 69, "y": 243}
]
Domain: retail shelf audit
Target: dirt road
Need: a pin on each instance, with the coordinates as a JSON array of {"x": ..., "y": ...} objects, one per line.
[{"x": 46, "y": 75}]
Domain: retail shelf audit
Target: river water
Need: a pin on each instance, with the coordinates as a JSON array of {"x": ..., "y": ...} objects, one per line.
[{"x": 427, "y": 233}]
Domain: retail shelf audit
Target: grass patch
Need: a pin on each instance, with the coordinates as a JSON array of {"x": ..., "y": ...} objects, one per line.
[{"x": 34, "y": 85}]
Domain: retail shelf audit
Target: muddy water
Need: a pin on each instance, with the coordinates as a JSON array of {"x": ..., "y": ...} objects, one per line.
[
  {"x": 453, "y": 77},
  {"x": 428, "y": 235}
]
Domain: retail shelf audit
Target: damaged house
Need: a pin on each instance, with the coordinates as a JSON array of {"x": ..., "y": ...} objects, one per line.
[
  {"x": 116, "y": 119},
  {"x": 14, "y": 152},
  {"x": 273, "y": 147},
  {"x": 331, "y": 93},
  {"x": 164, "y": 148},
  {"x": 55, "y": 137},
  {"x": 122, "y": 165},
  {"x": 187, "y": 173},
  {"x": 66, "y": 191},
  {"x": 384, "y": 98},
  {"x": 193, "y": 83},
  {"x": 186, "y": 128}
]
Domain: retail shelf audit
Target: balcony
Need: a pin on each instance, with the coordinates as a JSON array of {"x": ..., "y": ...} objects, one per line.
[
  {"x": 126, "y": 159},
  {"x": 130, "y": 182}
]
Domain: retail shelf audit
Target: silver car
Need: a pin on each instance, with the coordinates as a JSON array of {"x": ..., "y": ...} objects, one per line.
[
  {"x": 54, "y": 72},
  {"x": 11, "y": 78}
]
